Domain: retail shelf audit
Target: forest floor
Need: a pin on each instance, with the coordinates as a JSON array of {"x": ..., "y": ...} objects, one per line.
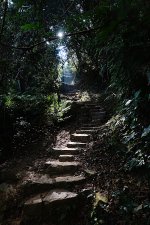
[{"x": 119, "y": 197}]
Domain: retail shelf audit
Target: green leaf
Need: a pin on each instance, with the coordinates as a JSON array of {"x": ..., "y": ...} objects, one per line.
[
  {"x": 146, "y": 131},
  {"x": 30, "y": 26}
]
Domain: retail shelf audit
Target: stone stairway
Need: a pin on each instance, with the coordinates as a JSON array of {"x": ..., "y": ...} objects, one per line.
[{"x": 54, "y": 195}]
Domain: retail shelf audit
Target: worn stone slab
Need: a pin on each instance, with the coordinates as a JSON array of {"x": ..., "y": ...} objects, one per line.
[
  {"x": 47, "y": 206},
  {"x": 86, "y": 131},
  {"x": 65, "y": 151},
  {"x": 80, "y": 137},
  {"x": 65, "y": 158},
  {"x": 97, "y": 118},
  {"x": 70, "y": 179},
  {"x": 57, "y": 167},
  {"x": 41, "y": 183},
  {"x": 58, "y": 195},
  {"x": 88, "y": 103},
  {"x": 96, "y": 121},
  {"x": 93, "y": 124},
  {"x": 90, "y": 173},
  {"x": 98, "y": 112},
  {"x": 90, "y": 126},
  {"x": 98, "y": 115},
  {"x": 90, "y": 107},
  {"x": 84, "y": 119},
  {"x": 76, "y": 145}
]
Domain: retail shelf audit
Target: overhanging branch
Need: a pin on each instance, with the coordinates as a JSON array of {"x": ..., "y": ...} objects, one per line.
[{"x": 28, "y": 48}]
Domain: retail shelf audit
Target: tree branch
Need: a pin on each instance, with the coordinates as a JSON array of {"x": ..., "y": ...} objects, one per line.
[{"x": 26, "y": 48}]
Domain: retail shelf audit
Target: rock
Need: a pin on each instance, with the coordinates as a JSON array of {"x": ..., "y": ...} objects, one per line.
[
  {"x": 56, "y": 167},
  {"x": 86, "y": 192},
  {"x": 49, "y": 207},
  {"x": 90, "y": 173},
  {"x": 138, "y": 208},
  {"x": 100, "y": 197},
  {"x": 42, "y": 183}
]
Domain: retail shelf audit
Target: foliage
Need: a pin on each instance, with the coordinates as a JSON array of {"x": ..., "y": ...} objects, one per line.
[
  {"x": 28, "y": 79},
  {"x": 118, "y": 51},
  {"x": 126, "y": 127},
  {"x": 121, "y": 207},
  {"x": 116, "y": 54}
]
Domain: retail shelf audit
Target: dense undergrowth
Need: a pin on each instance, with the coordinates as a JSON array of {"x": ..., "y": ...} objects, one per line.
[
  {"x": 131, "y": 121},
  {"x": 120, "y": 155},
  {"x": 27, "y": 119}
]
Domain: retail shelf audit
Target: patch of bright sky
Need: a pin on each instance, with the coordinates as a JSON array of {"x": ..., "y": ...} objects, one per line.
[
  {"x": 79, "y": 7},
  {"x": 62, "y": 52},
  {"x": 10, "y": 2},
  {"x": 60, "y": 34},
  {"x": 51, "y": 28},
  {"x": 47, "y": 42}
]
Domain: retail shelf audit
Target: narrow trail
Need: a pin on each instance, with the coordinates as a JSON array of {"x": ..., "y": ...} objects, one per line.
[{"x": 57, "y": 194}]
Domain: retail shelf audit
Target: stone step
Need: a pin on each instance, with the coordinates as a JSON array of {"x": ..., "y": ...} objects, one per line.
[
  {"x": 90, "y": 107},
  {"x": 88, "y": 131},
  {"x": 80, "y": 137},
  {"x": 57, "y": 167},
  {"x": 72, "y": 94},
  {"x": 90, "y": 103},
  {"x": 93, "y": 123},
  {"x": 65, "y": 151},
  {"x": 84, "y": 120},
  {"x": 84, "y": 117},
  {"x": 49, "y": 206},
  {"x": 92, "y": 127},
  {"x": 97, "y": 109},
  {"x": 65, "y": 158},
  {"x": 86, "y": 103},
  {"x": 76, "y": 145},
  {"x": 98, "y": 117},
  {"x": 96, "y": 121},
  {"x": 85, "y": 113},
  {"x": 87, "y": 117},
  {"x": 37, "y": 183},
  {"x": 98, "y": 114}
]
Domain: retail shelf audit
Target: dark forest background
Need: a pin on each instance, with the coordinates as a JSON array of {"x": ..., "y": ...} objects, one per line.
[{"x": 111, "y": 39}]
